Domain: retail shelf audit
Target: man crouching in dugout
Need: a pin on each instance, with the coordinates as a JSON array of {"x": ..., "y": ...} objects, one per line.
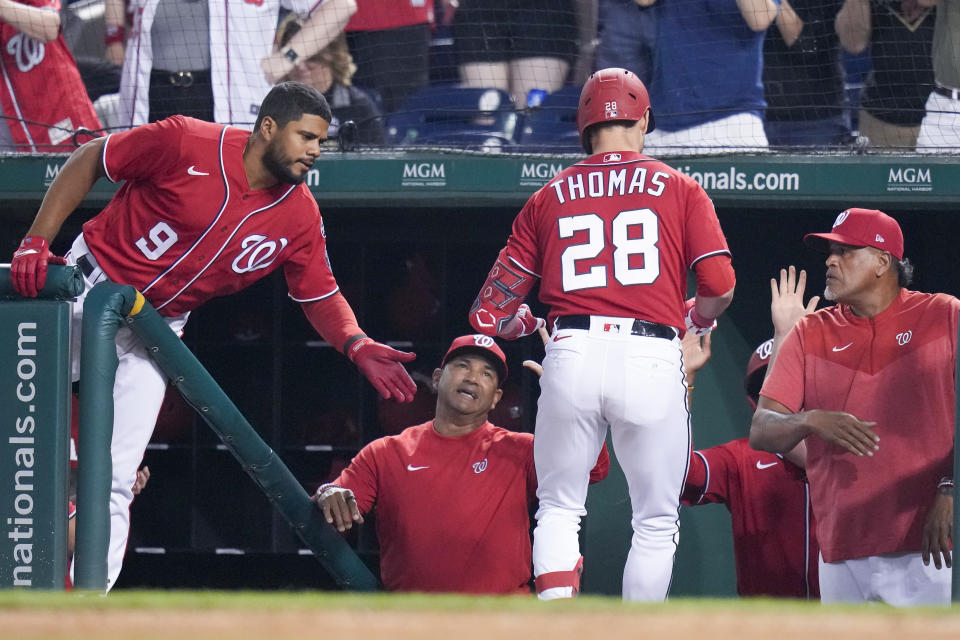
[{"x": 454, "y": 494}]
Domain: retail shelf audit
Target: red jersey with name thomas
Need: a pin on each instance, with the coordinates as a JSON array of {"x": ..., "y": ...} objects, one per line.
[
  {"x": 895, "y": 369},
  {"x": 614, "y": 235},
  {"x": 774, "y": 539},
  {"x": 186, "y": 227},
  {"x": 453, "y": 513},
  {"x": 42, "y": 94}
]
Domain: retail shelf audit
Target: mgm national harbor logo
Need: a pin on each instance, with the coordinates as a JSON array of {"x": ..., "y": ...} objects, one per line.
[
  {"x": 910, "y": 179},
  {"x": 424, "y": 174},
  {"x": 536, "y": 174}
]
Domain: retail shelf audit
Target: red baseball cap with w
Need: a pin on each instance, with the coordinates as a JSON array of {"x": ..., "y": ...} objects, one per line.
[
  {"x": 861, "y": 228},
  {"x": 485, "y": 345}
]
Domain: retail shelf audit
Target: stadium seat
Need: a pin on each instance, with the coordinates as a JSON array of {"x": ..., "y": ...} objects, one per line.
[
  {"x": 448, "y": 115},
  {"x": 552, "y": 127}
]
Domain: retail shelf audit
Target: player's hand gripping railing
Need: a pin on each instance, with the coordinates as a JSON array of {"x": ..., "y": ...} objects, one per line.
[{"x": 108, "y": 306}]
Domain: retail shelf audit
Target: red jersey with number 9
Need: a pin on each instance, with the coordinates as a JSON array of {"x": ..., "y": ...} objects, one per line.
[
  {"x": 614, "y": 235},
  {"x": 186, "y": 227}
]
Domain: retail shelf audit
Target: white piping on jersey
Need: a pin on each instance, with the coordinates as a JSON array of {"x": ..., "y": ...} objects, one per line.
[
  {"x": 535, "y": 275},
  {"x": 706, "y": 483},
  {"x": 719, "y": 252},
  {"x": 103, "y": 158},
  {"x": 324, "y": 296},
  {"x": 223, "y": 207},
  {"x": 16, "y": 106}
]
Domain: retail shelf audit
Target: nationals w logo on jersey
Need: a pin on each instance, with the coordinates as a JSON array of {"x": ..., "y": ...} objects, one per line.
[
  {"x": 258, "y": 253},
  {"x": 26, "y": 51}
]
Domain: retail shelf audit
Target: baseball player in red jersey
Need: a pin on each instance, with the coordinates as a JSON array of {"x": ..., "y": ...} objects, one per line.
[
  {"x": 41, "y": 94},
  {"x": 611, "y": 239},
  {"x": 774, "y": 529},
  {"x": 205, "y": 210},
  {"x": 453, "y": 495},
  {"x": 868, "y": 385}
]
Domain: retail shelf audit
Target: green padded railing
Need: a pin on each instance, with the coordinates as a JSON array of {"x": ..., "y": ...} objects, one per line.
[{"x": 108, "y": 306}]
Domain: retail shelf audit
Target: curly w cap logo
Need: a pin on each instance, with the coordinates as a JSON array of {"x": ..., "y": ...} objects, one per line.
[
  {"x": 480, "y": 467},
  {"x": 258, "y": 253},
  {"x": 764, "y": 350},
  {"x": 841, "y": 218},
  {"x": 483, "y": 341}
]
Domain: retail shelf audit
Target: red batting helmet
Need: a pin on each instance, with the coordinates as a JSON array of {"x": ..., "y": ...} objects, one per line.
[
  {"x": 757, "y": 370},
  {"x": 612, "y": 94}
]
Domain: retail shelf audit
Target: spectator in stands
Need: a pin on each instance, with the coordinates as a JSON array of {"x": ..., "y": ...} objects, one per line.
[
  {"x": 803, "y": 77},
  {"x": 628, "y": 36},
  {"x": 707, "y": 90},
  {"x": 390, "y": 42},
  {"x": 899, "y": 34},
  {"x": 453, "y": 495},
  {"x": 515, "y": 47},
  {"x": 940, "y": 129},
  {"x": 195, "y": 58},
  {"x": 42, "y": 99},
  {"x": 330, "y": 71}
]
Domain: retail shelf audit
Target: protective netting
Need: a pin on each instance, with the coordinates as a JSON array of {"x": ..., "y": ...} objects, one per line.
[{"x": 498, "y": 75}]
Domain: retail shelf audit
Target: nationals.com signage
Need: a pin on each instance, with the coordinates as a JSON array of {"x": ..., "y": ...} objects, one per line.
[{"x": 34, "y": 439}]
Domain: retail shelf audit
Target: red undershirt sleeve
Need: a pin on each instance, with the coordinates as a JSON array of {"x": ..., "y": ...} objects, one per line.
[{"x": 333, "y": 319}]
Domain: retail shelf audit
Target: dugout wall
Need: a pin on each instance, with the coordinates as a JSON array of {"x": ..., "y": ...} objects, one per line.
[{"x": 411, "y": 239}]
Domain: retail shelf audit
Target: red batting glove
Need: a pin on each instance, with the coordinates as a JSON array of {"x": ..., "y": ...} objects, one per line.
[
  {"x": 523, "y": 323},
  {"x": 380, "y": 364},
  {"x": 28, "y": 269},
  {"x": 696, "y": 323}
]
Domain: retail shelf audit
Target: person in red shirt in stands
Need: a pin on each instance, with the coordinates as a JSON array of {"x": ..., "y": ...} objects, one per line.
[{"x": 42, "y": 99}]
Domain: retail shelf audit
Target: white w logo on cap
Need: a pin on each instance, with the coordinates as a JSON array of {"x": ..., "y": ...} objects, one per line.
[{"x": 840, "y": 218}]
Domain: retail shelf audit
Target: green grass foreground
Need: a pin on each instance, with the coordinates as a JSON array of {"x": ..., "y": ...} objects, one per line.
[{"x": 321, "y": 600}]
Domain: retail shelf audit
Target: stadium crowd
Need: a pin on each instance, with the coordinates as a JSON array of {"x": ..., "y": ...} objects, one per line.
[{"x": 734, "y": 76}]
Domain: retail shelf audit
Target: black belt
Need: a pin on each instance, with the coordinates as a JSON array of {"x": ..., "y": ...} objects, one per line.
[
  {"x": 640, "y": 327},
  {"x": 180, "y": 79},
  {"x": 953, "y": 94}
]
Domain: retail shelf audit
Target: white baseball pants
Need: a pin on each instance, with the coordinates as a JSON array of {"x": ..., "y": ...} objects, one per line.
[
  {"x": 599, "y": 378},
  {"x": 137, "y": 396},
  {"x": 898, "y": 579}
]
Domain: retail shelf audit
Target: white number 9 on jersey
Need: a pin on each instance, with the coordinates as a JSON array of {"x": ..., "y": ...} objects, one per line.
[
  {"x": 624, "y": 248},
  {"x": 162, "y": 237}
]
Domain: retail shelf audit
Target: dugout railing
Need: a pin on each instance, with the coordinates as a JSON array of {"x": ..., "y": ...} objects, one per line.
[{"x": 462, "y": 205}]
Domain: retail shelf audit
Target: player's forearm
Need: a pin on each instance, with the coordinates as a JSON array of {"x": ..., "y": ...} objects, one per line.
[
  {"x": 68, "y": 190},
  {"x": 333, "y": 319},
  {"x": 852, "y": 25},
  {"x": 39, "y": 24},
  {"x": 713, "y": 307},
  {"x": 777, "y": 432},
  {"x": 758, "y": 14}
]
